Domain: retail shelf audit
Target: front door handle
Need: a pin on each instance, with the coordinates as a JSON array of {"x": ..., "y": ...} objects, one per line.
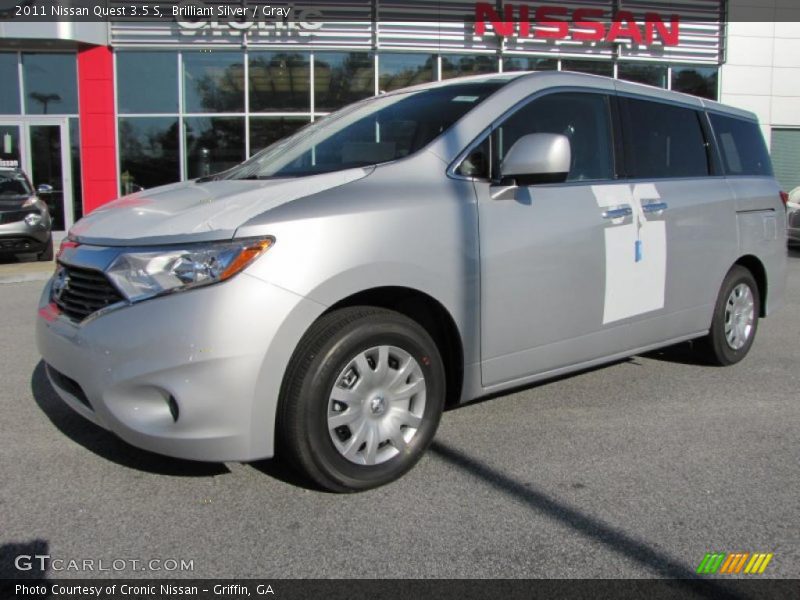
[
  {"x": 618, "y": 213},
  {"x": 654, "y": 207}
]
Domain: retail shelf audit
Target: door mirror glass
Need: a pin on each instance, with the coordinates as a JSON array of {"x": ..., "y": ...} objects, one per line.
[
  {"x": 537, "y": 158},
  {"x": 44, "y": 188}
]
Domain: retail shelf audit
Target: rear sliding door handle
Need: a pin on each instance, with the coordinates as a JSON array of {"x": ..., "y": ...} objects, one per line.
[
  {"x": 654, "y": 207},
  {"x": 618, "y": 213}
]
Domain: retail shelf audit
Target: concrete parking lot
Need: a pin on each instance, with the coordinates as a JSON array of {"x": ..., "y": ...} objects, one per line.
[{"x": 632, "y": 470}]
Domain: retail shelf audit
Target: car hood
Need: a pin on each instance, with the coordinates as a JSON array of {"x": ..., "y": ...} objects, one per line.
[
  {"x": 15, "y": 202},
  {"x": 195, "y": 211}
]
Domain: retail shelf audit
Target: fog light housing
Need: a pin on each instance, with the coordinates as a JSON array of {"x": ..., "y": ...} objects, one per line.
[{"x": 33, "y": 219}]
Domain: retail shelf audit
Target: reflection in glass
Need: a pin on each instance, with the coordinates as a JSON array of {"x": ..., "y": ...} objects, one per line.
[
  {"x": 147, "y": 82},
  {"x": 9, "y": 84},
  {"x": 268, "y": 130},
  {"x": 402, "y": 70},
  {"x": 280, "y": 82},
  {"x": 47, "y": 169},
  {"x": 594, "y": 67},
  {"x": 655, "y": 75},
  {"x": 213, "y": 81},
  {"x": 529, "y": 63},
  {"x": 213, "y": 144},
  {"x": 9, "y": 143},
  {"x": 148, "y": 152},
  {"x": 459, "y": 65},
  {"x": 75, "y": 160},
  {"x": 341, "y": 78},
  {"x": 50, "y": 83},
  {"x": 698, "y": 81}
]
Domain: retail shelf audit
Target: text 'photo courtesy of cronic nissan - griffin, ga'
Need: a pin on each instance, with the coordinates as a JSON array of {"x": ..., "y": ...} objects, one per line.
[{"x": 325, "y": 300}]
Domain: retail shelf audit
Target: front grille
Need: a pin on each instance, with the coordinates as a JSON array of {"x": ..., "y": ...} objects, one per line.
[
  {"x": 18, "y": 244},
  {"x": 70, "y": 386},
  {"x": 80, "y": 292},
  {"x": 13, "y": 216}
]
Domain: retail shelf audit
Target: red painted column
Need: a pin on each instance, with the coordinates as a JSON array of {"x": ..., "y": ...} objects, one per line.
[{"x": 98, "y": 126}]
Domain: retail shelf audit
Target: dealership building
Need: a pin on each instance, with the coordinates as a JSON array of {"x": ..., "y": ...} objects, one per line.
[{"x": 99, "y": 109}]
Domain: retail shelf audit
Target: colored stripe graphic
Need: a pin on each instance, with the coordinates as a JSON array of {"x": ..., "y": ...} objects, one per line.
[
  {"x": 732, "y": 564},
  {"x": 758, "y": 563}
]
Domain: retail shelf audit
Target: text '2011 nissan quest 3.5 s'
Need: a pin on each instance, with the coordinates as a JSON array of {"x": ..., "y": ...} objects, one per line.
[{"x": 324, "y": 300}]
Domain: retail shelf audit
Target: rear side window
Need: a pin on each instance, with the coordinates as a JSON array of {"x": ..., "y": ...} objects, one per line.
[
  {"x": 741, "y": 145},
  {"x": 663, "y": 140}
]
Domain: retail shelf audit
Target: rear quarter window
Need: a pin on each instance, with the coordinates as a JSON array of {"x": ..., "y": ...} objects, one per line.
[
  {"x": 741, "y": 146},
  {"x": 663, "y": 140}
]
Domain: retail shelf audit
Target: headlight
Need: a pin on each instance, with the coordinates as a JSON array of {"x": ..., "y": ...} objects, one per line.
[
  {"x": 33, "y": 219},
  {"x": 141, "y": 275}
]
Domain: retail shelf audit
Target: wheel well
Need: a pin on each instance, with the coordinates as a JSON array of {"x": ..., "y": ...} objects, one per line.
[
  {"x": 752, "y": 264},
  {"x": 431, "y": 315}
]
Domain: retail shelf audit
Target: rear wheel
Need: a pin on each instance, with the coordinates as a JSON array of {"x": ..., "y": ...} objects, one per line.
[
  {"x": 735, "y": 321},
  {"x": 361, "y": 400}
]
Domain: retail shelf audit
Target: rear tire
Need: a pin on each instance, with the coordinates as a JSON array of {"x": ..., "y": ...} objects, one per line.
[
  {"x": 47, "y": 253},
  {"x": 735, "y": 321},
  {"x": 361, "y": 399}
]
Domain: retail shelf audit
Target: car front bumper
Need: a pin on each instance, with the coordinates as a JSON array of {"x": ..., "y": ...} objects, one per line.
[
  {"x": 193, "y": 375},
  {"x": 19, "y": 238}
]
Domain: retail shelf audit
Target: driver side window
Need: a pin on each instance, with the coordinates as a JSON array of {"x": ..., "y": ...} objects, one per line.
[{"x": 583, "y": 117}]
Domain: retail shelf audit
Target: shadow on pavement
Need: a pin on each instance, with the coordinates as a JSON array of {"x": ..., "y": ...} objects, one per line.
[
  {"x": 107, "y": 445},
  {"x": 29, "y": 565},
  {"x": 596, "y": 530}
]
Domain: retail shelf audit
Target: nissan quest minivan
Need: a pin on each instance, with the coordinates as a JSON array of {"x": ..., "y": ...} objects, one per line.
[{"x": 326, "y": 299}]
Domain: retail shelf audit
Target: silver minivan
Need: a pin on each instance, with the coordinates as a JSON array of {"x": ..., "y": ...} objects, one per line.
[{"x": 326, "y": 299}]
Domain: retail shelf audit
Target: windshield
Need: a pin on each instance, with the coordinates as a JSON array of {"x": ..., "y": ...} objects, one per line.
[
  {"x": 12, "y": 184},
  {"x": 374, "y": 131}
]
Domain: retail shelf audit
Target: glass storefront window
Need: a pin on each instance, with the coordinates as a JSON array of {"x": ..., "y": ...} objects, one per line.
[
  {"x": 75, "y": 160},
  {"x": 459, "y": 65},
  {"x": 655, "y": 75},
  {"x": 341, "y": 78},
  {"x": 9, "y": 84},
  {"x": 529, "y": 63},
  {"x": 265, "y": 131},
  {"x": 698, "y": 81},
  {"x": 594, "y": 67},
  {"x": 402, "y": 70},
  {"x": 147, "y": 82},
  {"x": 9, "y": 143},
  {"x": 148, "y": 152},
  {"x": 213, "y": 144},
  {"x": 279, "y": 82},
  {"x": 213, "y": 81},
  {"x": 50, "y": 83}
]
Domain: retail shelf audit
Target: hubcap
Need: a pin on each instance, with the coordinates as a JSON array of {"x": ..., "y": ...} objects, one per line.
[
  {"x": 376, "y": 405},
  {"x": 739, "y": 316}
]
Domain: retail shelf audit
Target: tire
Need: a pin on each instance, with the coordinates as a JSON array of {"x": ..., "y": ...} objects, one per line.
[
  {"x": 386, "y": 419},
  {"x": 47, "y": 253},
  {"x": 725, "y": 345}
]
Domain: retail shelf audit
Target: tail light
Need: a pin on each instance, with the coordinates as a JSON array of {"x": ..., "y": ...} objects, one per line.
[{"x": 784, "y": 198}]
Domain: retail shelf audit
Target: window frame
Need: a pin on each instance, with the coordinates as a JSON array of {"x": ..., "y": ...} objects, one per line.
[
  {"x": 613, "y": 118},
  {"x": 627, "y": 137}
]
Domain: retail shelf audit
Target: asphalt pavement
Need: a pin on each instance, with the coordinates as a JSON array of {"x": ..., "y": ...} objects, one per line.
[{"x": 636, "y": 469}]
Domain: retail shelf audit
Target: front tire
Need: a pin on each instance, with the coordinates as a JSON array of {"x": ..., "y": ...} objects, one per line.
[
  {"x": 735, "y": 321},
  {"x": 361, "y": 399}
]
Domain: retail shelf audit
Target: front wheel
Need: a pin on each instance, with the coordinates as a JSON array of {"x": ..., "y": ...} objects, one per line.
[
  {"x": 47, "y": 253},
  {"x": 735, "y": 321},
  {"x": 361, "y": 400}
]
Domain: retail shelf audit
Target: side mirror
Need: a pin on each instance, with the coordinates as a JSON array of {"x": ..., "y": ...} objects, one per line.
[
  {"x": 44, "y": 188},
  {"x": 537, "y": 158}
]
